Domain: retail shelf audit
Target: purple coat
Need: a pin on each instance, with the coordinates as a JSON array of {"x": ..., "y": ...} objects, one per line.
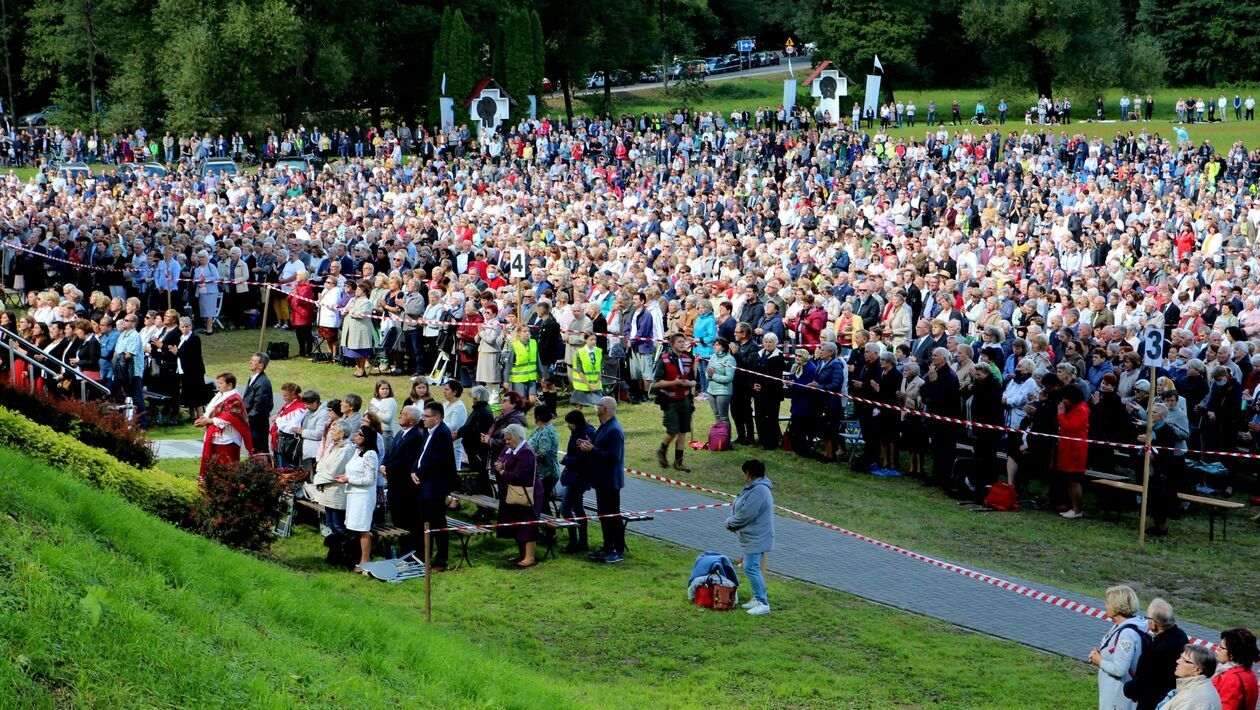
[{"x": 519, "y": 469}]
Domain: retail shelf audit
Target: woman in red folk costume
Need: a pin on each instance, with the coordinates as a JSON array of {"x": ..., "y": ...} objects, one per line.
[{"x": 226, "y": 424}]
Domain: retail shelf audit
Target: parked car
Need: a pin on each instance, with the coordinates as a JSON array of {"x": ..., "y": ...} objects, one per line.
[
  {"x": 299, "y": 163},
  {"x": 143, "y": 170},
  {"x": 653, "y": 75},
  {"x": 595, "y": 81},
  {"x": 74, "y": 171},
  {"x": 39, "y": 118},
  {"x": 621, "y": 77},
  {"x": 224, "y": 166},
  {"x": 765, "y": 59}
]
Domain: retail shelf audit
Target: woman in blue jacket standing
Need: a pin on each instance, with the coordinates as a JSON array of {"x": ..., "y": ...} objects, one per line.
[
  {"x": 752, "y": 519},
  {"x": 720, "y": 370},
  {"x": 804, "y": 409},
  {"x": 575, "y": 463},
  {"x": 704, "y": 333}
]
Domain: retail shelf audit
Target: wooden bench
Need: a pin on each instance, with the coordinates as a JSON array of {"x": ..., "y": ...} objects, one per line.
[
  {"x": 1001, "y": 456},
  {"x": 625, "y": 517},
  {"x": 551, "y": 522},
  {"x": 1213, "y": 505},
  {"x": 463, "y": 531}
]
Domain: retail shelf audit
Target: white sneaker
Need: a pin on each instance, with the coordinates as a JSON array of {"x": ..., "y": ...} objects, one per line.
[
  {"x": 1071, "y": 514},
  {"x": 760, "y": 609},
  {"x": 749, "y": 604}
]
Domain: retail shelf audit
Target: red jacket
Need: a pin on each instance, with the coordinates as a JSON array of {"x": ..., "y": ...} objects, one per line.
[
  {"x": 1073, "y": 423},
  {"x": 301, "y": 308},
  {"x": 1237, "y": 688},
  {"x": 467, "y": 333}
]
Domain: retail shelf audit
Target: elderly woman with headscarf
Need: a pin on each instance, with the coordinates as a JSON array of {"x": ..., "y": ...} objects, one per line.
[
  {"x": 803, "y": 396},
  {"x": 520, "y": 496},
  {"x": 913, "y": 434}
]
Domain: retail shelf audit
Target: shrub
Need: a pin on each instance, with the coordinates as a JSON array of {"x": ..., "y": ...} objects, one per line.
[
  {"x": 96, "y": 423},
  {"x": 152, "y": 489},
  {"x": 241, "y": 503}
]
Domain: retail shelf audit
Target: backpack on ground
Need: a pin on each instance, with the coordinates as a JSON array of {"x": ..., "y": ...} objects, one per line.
[
  {"x": 720, "y": 437},
  {"x": 1002, "y": 496}
]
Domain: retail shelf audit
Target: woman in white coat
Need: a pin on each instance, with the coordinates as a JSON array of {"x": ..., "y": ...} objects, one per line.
[
  {"x": 325, "y": 488},
  {"x": 360, "y": 479}
]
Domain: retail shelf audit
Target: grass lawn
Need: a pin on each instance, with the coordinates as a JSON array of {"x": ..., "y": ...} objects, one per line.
[
  {"x": 726, "y": 96},
  {"x": 1213, "y": 583},
  {"x": 285, "y": 630}
]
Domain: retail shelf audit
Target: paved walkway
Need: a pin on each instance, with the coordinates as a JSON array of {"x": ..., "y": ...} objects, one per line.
[{"x": 827, "y": 558}]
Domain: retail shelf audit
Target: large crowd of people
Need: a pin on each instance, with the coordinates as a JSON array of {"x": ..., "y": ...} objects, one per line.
[{"x": 975, "y": 274}]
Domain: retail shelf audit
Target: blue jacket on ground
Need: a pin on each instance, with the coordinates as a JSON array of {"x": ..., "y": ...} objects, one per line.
[
  {"x": 706, "y": 561},
  {"x": 752, "y": 518}
]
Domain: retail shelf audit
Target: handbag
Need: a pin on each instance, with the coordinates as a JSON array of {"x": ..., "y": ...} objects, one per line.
[
  {"x": 290, "y": 446},
  {"x": 520, "y": 495}
]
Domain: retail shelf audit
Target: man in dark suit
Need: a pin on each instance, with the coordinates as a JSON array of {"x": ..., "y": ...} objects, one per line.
[
  {"x": 867, "y": 306},
  {"x": 258, "y": 403},
  {"x": 1155, "y": 674},
  {"x": 397, "y": 465},
  {"x": 607, "y": 476},
  {"x": 435, "y": 476}
]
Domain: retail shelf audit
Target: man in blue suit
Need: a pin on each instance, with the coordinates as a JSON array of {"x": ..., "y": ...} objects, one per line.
[
  {"x": 607, "y": 478},
  {"x": 435, "y": 477},
  {"x": 399, "y": 461}
]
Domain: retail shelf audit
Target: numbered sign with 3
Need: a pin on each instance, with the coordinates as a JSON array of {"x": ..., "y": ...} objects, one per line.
[{"x": 1153, "y": 346}]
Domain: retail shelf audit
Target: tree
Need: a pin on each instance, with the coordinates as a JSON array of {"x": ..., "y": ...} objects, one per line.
[
  {"x": 79, "y": 44},
  {"x": 441, "y": 60},
  {"x": 461, "y": 63},
  {"x": 538, "y": 70},
  {"x": 1046, "y": 42},
  {"x": 519, "y": 55},
  {"x": 850, "y": 34},
  {"x": 1205, "y": 41}
]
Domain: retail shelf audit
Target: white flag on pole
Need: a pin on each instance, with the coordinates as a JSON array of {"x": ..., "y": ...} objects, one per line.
[
  {"x": 878, "y": 67},
  {"x": 444, "y": 83}
]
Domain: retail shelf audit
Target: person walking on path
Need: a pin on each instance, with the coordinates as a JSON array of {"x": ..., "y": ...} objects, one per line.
[
  {"x": 674, "y": 384},
  {"x": 752, "y": 520}
]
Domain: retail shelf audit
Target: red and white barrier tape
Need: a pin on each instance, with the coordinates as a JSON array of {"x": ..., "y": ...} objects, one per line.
[{"x": 654, "y": 511}]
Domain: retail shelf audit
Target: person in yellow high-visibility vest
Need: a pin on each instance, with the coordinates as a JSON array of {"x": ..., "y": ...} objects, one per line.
[
  {"x": 586, "y": 373},
  {"x": 523, "y": 367}
]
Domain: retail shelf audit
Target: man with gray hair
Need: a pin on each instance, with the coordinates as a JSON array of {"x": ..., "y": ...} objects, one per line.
[
  {"x": 607, "y": 476},
  {"x": 1154, "y": 676}
]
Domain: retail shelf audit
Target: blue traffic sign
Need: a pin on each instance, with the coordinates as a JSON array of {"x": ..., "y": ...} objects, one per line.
[{"x": 745, "y": 45}]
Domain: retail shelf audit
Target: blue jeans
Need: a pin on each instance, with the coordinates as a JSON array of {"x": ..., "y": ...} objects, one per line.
[
  {"x": 336, "y": 521},
  {"x": 752, "y": 568}
]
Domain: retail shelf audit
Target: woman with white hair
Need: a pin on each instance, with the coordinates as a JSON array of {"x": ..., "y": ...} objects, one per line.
[
  {"x": 520, "y": 494},
  {"x": 235, "y": 274},
  {"x": 206, "y": 280},
  {"x": 1121, "y": 648}
]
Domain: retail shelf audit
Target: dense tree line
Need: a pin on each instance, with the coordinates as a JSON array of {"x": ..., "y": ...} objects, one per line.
[{"x": 196, "y": 64}]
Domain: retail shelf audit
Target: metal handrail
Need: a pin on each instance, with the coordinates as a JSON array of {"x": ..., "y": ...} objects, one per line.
[{"x": 13, "y": 352}]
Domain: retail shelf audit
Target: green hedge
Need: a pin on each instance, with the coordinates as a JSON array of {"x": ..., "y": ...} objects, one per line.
[{"x": 152, "y": 489}]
